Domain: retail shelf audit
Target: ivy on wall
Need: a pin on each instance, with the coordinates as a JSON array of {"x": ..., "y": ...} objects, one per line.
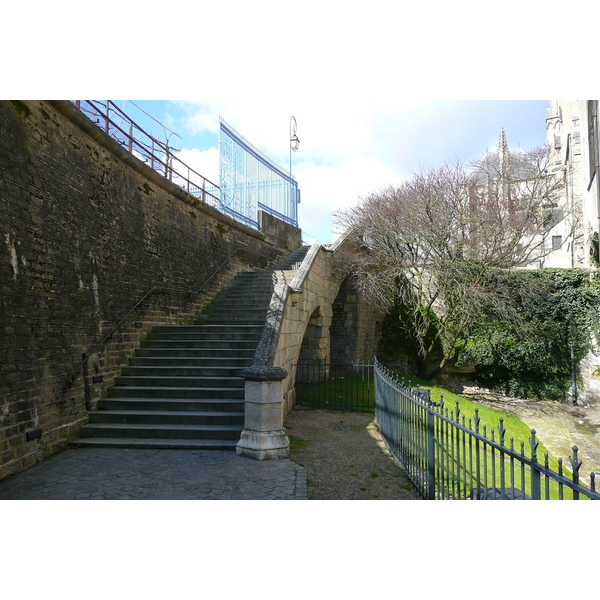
[
  {"x": 536, "y": 355},
  {"x": 530, "y": 344}
]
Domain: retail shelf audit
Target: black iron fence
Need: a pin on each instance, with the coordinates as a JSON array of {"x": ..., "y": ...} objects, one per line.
[
  {"x": 347, "y": 386},
  {"x": 448, "y": 458}
]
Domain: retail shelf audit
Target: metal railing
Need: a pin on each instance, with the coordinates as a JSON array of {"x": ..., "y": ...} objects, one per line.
[
  {"x": 157, "y": 288},
  {"x": 158, "y": 155},
  {"x": 344, "y": 386},
  {"x": 448, "y": 458}
]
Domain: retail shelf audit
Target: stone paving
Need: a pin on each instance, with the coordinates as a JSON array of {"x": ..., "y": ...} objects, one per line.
[{"x": 141, "y": 474}]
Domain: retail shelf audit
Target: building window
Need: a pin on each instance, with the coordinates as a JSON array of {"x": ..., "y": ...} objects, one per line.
[{"x": 556, "y": 242}]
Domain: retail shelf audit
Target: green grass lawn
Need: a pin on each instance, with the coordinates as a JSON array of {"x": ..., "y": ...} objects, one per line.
[{"x": 353, "y": 392}]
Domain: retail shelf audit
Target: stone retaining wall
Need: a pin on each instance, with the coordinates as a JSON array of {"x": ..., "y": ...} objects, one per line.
[{"x": 86, "y": 229}]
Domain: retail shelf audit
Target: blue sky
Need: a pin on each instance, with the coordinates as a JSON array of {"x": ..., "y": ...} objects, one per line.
[{"x": 344, "y": 155}]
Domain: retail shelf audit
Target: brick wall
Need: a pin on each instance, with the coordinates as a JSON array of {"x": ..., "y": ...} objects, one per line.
[{"x": 85, "y": 231}]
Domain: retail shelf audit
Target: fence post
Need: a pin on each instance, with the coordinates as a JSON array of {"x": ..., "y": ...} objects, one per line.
[
  {"x": 131, "y": 138},
  {"x": 575, "y": 466},
  {"x": 536, "y": 493},
  {"x": 430, "y": 454}
]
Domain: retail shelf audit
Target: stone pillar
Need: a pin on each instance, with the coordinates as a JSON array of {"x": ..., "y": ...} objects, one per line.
[{"x": 263, "y": 437}]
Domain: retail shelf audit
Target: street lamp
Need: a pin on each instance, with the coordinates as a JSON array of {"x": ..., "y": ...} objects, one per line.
[{"x": 294, "y": 141}]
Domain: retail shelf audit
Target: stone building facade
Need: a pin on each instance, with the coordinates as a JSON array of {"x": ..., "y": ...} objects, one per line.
[{"x": 572, "y": 136}]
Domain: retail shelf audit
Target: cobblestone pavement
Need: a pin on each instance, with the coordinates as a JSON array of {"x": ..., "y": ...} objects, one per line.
[{"x": 138, "y": 474}]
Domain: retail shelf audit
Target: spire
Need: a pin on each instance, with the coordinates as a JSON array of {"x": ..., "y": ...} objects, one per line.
[
  {"x": 504, "y": 164},
  {"x": 503, "y": 153},
  {"x": 502, "y": 146}
]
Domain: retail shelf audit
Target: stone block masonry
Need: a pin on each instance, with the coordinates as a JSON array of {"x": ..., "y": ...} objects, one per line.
[{"x": 86, "y": 230}]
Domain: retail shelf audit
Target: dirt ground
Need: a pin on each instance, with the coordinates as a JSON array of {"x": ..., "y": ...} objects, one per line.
[{"x": 345, "y": 456}]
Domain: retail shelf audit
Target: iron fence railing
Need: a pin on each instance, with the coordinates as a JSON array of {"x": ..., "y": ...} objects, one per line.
[
  {"x": 323, "y": 384},
  {"x": 448, "y": 458},
  {"x": 157, "y": 154}
]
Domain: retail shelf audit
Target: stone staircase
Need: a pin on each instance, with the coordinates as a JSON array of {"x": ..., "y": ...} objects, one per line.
[{"x": 183, "y": 388}]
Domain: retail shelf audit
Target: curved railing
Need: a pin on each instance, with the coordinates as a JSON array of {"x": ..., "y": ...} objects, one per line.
[
  {"x": 156, "y": 154},
  {"x": 264, "y": 357}
]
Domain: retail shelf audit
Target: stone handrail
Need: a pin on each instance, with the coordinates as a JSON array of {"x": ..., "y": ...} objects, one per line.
[
  {"x": 264, "y": 436},
  {"x": 263, "y": 366},
  {"x": 269, "y": 390}
]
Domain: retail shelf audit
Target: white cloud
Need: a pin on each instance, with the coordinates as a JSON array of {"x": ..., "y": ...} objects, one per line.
[
  {"x": 204, "y": 162},
  {"x": 350, "y": 145},
  {"x": 325, "y": 189},
  {"x": 338, "y": 156}
]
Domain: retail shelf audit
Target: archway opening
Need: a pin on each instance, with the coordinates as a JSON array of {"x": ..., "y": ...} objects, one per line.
[
  {"x": 315, "y": 351},
  {"x": 344, "y": 325}
]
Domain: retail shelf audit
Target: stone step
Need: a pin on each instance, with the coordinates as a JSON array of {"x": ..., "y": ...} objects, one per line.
[
  {"x": 213, "y": 343},
  {"x": 254, "y": 315},
  {"x": 253, "y": 326},
  {"x": 245, "y": 292},
  {"x": 226, "y": 339},
  {"x": 172, "y": 404},
  {"x": 161, "y": 431},
  {"x": 174, "y": 352},
  {"x": 247, "y": 288},
  {"x": 222, "y": 330},
  {"x": 176, "y": 362},
  {"x": 155, "y": 443},
  {"x": 230, "y": 318},
  {"x": 185, "y": 371},
  {"x": 242, "y": 300},
  {"x": 250, "y": 287},
  {"x": 204, "y": 392},
  {"x": 175, "y": 381},
  {"x": 253, "y": 275},
  {"x": 196, "y": 328},
  {"x": 168, "y": 417}
]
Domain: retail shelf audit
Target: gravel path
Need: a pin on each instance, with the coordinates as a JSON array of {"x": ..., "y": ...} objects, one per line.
[{"x": 345, "y": 457}]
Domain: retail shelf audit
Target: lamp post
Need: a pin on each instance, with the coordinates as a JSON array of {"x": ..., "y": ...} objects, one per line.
[{"x": 294, "y": 141}]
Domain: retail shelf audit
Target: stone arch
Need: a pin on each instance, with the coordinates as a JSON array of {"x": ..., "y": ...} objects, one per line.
[
  {"x": 316, "y": 339},
  {"x": 344, "y": 325}
]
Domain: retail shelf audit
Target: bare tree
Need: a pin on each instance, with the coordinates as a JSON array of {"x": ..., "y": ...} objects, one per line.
[{"x": 428, "y": 243}]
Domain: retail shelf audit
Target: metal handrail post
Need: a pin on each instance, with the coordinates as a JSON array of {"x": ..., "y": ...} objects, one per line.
[
  {"x": 430, "y": 454},
  {"x": 536, "y": 490}
]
